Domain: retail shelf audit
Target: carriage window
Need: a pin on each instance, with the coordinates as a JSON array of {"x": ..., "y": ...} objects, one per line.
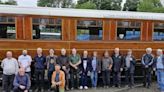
[
  {"x": 7, "y": 27},
  {"x": 128, "y": 30},
  {"x": 158, "y": 34},
  {"x": 46, "y": 28},
  {"x": 89, "y": 30}
]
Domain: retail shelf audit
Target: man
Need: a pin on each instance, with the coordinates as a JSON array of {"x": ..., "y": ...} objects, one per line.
[
  {"x": 10, "y": 68},
  {"x": 84, "y": 69},
  {"x": 22, "y": 81},
  {"x": 63, "y": 61},
  {"x": 147, "y": 61},
  {"x": 40, "y": 63},
  {"x": 117, "y": 67},
  {"x": 74, "y": 61},
  {"x": 95, "y": 69},
  {"x": 107, "y": 64},
  {"x": 129, "y": 62},
  {"x": 159, "y": 65},
  {"x": 51, "y": 61},
  {"x": 58, "y": 79},
  {"x": 24, "y": 61}
]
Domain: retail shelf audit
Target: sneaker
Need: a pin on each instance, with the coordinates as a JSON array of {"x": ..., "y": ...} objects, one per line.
[
  {"x": 42, "y": 90},
  {"x": 85, "y": 87},
  {"x": 81, "y": 87}
]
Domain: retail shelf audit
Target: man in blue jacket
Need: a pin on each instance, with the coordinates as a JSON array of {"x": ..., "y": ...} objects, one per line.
[
  {"x": 40, "y": 63},
  {"x": 22, "y": 81},
  {"x": 147, "y": 62},
  {"x": 159, "y": 66}
]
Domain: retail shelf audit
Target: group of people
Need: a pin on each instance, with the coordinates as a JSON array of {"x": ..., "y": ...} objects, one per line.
[{"x": 78, "y": 69}]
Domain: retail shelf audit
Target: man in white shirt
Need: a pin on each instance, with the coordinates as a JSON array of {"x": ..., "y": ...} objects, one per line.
[
  {"x": 10, "y": 68},
  {"x": 24, "y": 61}
]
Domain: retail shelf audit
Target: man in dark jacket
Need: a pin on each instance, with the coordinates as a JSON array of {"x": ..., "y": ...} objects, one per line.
[
  {"x": 147, "y": 62},
  {"x": 84, "y": 70},
  {"x": 117, "y": 67},
  {"x": 22, "y": 81},
  {"x": 63, "y": 61},
  {"x": 40, "y": 63},
  {"x": 129, "y": 62}
]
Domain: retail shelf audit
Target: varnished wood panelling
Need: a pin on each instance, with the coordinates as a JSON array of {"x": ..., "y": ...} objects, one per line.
[
  {"x": 113, "y": 30},
  {"x": 106, "y": 28},
  {"x": 19, "y": 28},
  {"x": 27, "y": 24}
]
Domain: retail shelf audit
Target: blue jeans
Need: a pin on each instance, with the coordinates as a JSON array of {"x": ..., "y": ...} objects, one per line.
[
  {"x": 94, "y": 77},
  {"x": 160, "y": 79}
]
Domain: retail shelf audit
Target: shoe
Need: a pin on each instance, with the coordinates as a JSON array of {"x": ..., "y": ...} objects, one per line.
[
  {"x": 72, "y": 88},
  {"x": 119, "y": 86},
  {"x": 42, "y": 90},
  {"x": 85, "y": 87},
  {"x": 81, "y": 87},
  {"x": 36, "y": 90}
]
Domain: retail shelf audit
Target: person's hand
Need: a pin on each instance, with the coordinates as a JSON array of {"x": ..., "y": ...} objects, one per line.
[
  {"x": 99, "y": 71},
  {"x": 121, "y": 69},
  {"x": 22, "y": 87},
  {"x": 110, "y": 69},
  {"x": 26, "y": 91},
  {"x": 64, "y": 67},
  {"x": 76, "y": 67},
  {"x": 154, "y": 69},
  {"x": 146, "y": 66},
  {"x": 130, "y": 59}
]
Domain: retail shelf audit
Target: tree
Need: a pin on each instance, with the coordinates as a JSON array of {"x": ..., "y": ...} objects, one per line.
[
  {"x": 55, "y": 3},
  {"x": 131, "y": 5},
  {"x": 86, "y": 5},
  {"x": 150, "y": 6},
  {"x": 110, "y": 5},
  {"x": 11, "y": 2}
]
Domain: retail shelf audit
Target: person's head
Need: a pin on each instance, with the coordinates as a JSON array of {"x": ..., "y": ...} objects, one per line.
[
  {"x": 21, "y": 71},
  {"x": 9, "y": 54},
  {"x": 159, "y": 52},
  {"x": 57, "y": 67},
  {"x": 116, "y": 50},
  {"x": 74, "y": 51},
  {"x": 39, "y": 51},
  {"x": 63, "y": 51},
  {"x": 24, "y": 52},
  {"x": 106, "y": 54},
  {"x": 51, "y": 51},
  {"x": 148, "y": 50},
  {"x": 129, "y": 52},
  {"x": 95, "y": 53},
  {"x": 85, "y": 53}
]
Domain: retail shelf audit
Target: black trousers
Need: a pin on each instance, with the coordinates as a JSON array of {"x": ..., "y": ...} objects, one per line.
[
  {"x": 39, "y": 73},
  {"x": 18, "y": 90},
  {"x": 129, "y": 77},
  {"x": 7, "y": 82},
  {"x": 74, "y": 75},
  {"x": 117, "y": 78},
  {"x": 106, "y": 77},
  {"x": 147, "y": 76}
]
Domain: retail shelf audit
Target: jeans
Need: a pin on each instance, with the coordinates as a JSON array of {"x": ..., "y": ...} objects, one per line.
[
  {"x": 160, "y": 79},
  {"x": 94, "y": 77},
  {"x": 106, "y": 77},
  {"x": 74, "y": 75},
  {"x": 147, "y": 76},
  {"x": 129, "y": 77},
  {"x": 7, "y": 82},
  {"x": 84, "y": 79},
  {"x": 117, "y": 78},
  {"x": 39, "y": 73},
  {"x": 49, "y": 78}
]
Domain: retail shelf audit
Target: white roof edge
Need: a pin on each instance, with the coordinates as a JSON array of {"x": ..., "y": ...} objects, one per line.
[{"x": 12, "y": 9}]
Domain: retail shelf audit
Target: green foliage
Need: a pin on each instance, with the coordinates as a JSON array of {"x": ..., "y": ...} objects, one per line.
[
  {"x": 150, "y": 6},
  {"x": 86, "y": 5},
  {"x": 55, "y": 3},
  {"x": 131, "y": 5},
  {"x": 9, "y": 2}
]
